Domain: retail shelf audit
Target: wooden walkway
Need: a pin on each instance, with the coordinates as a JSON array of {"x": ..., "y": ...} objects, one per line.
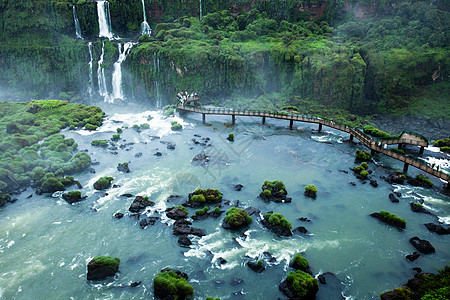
[{"x": 374, "y": 144}]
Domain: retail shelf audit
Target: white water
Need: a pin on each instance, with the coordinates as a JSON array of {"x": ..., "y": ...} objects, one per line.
[
  {"x": 91, "y": 71},
  {"x": 77, "y": 24},
  {"x": 102, "y": 88},
  {"x": 156, "y": 71},
  {"x": 104, "y": 19},
  {"x": 145, "y": 28},
  {"x": 117, "y": 74}
]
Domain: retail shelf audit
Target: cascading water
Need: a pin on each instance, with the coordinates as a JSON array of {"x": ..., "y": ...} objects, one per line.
[
  {"x": 156, "y": 71},
  {"x": 102, "y": 88},
  {"x": 104, "y": 19},
  {"x": 117, "y": 74},
  {"x": 145, "y": 28},
  {"x": 77, "y": 24},
  {"x": 91, "y": 75},
  {"x": 200, "y": 10}
]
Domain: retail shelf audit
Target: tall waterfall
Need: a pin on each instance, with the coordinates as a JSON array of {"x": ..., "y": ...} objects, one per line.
[
  {"x": 104, "y": 19},
  {"x": 102, "y": 88},
  {"x": 117, "y": 74},
  {"x": 145, "y": 28},
  {"x": 91, "y": 75},
  {"x": 77, "y": 24},
  {"x": 156, "y": 72},
  {"x": 200, "y": 10}
]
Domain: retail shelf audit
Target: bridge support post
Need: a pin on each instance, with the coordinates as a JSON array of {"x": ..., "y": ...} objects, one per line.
[
  {"x": 233, "y": 119},
  {"x": 405, "y": 168},
  {"x": 320, "y": 127},
  {"x": 291, "y": 124},
  {"x": 351, "y": 137},
  {"x": 263, "y": 120},
  {"x": 400, "y": 146},
  {"x": 421, "y": 150},
  {"x": 204, "y": 118},
  {"x": 372, "y": 152}
]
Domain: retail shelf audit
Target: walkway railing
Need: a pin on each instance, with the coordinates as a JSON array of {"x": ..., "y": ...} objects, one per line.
[{"x": 375, "y": 144}]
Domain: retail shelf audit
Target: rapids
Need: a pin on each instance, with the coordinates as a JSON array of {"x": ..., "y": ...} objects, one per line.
[{"x": 46, "y": 243}]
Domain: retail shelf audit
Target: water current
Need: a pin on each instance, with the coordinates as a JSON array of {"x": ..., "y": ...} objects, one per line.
[{"x": 45, "y": 243}]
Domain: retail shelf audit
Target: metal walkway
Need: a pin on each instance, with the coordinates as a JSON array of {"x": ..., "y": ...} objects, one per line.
[{"x": 374, "y": 144}]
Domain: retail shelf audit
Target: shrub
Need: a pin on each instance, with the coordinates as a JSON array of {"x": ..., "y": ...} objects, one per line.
[
  {"x": 277, "y": 219},
  {"x": 302, "y": 283},
  {"x": 370, "y": 130},
  {"x": 237, "y": 217},
  {"x": 144, "y": 126},
  {"x": 311, "y": 189},
  {"x": 181, "y": 207},
  {"x": 442, "y": 143},
  {"x": 358, "y": 169},
  {"x": 363, "y": 155},
  {"x": 90, "y": 127},
  {"x": 175, "y": 284},
  {"x": 208, "y": 195},
  {"x": 364, "y": 174},
  {"x": 99, "y": 143},
  {"x": 216, "y": 210},
  {"x": 424, "y": 179},
  {"x": 267, "y": 193},
  {"x": 107, "y": 261},
  {"x": 259, "y": 263},
  {"x": 198, "y": 198},
  {"x": 115, "y": 137},
  {"x": 176, "y": 126},
  {"x": 119, "y": 130},
  {"x": 144, "y": 38},
  {"x": 290, "y": 108},
  {"x": 201, "y": 212},
  {"x": 231, "y": 137},
  {"x": 388, "y": 217},
  {"x": 103, "y": 183},
  {"x": 300, "y": 261},
  {"x": 365, "y": 165}
]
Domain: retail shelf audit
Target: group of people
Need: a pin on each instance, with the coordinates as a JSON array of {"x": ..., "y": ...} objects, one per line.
[
  {"x": 437, "y": 166},
  {"x": 184, "y": 96}
]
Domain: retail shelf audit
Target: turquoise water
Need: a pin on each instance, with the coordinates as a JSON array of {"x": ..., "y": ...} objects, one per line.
[{"x": 45, "y": 243}]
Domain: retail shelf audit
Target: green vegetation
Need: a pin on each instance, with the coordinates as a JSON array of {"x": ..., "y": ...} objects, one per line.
[
  {"x": 176, "y": 285},
  {"x": 391, "y": 218},
  {"x": 277, "y": 219},
  {"x": 365, "y": 165},
  {"x": 370, "y": 130},
  {"x": 30, "y": 145},
  {"x": 176, "y": 126},
  {"x": 237, "y": 217},
  {"x": 364, "y": 174},
  {"x": 399, "y": 151},
  {"x": 273, "y": 189},
  {"x": 302, "y": 283},
  {"x": 99, "y": 143},
  {"x": 300, "y": 261},
  {"x": 4, "y": 198},
  {"x": 181, "y": 207},
  {"x": 119, "y": 130},
  {"x": 206, "y": 196},
  {"x": 231, "y": 137},
  {"x": 103, "y": 183},
  {"x": 115, "y": 137},
  {"x": 169, "y": 110},
  {"x": 424, "y": 179},
  {"x": 107, "y": 261},
  {"x": 401, "y": 293},
  {"x": 212, "y": 298},
  {"x": 311, "y": 189},
  {"x": 144, "y": 126},
  {"x": 260, "y": 263},
  {"x": 216, "y": 210},
  {"x": 442, "y": 143},
  {"x": 363, "y": 155},
  {"x": 201, "y": 212}
]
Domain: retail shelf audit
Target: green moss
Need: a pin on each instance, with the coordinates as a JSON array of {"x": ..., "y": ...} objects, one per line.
[
  {"x": 208, "y": 195},
  {"x": 260, "y": 263},
  {"x": 107, "y": 261},
  {"x": 363, "y": 155},
  {"x": 201, "y": 212},
  {"x": 103, "y": 183},
  {"x": 364, "y": 174},
  {"x": 198, "y": 198},
  {"x": 267, "y": 193},
  {"x": 176, "y": 126},
  {"x": 99, "y": 143},
  {"x": 424, "y": 179},
  {"x": 402, "y": 293},
  {"x": 119, "y": 130},
  {"x": 216, "y": 210},
  {"x": 277, "y": 219},
  {"x": 175, "y": 284},
  {"x": 365, "y": 165},
  {"x": 311, "y": 189},
  {"x": 237, "y": 217},
  {"x": 302, "y": 283},
  {"x": 300, "y": 261},
  {"x": 90, "y": 127},
  {"x": 370, "y": 130},
  {"x": 358, "y": 169},
  {"x": 181, "y": 207},
  {"x": 115, "y": 137},
  {"x": 388, "y": 217}
]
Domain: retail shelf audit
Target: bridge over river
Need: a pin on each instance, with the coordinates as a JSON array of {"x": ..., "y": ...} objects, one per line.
[{"x": 376, "y": 145}]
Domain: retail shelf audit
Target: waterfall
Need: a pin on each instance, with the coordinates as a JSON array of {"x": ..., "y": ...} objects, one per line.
[
  {"x": 91, "y": 75},
  {"x": 102, "y": 88},
  {"x": 104, "y": 19},
  {"x": 156, "y": 72},
  {"x": 200, "y": 10},
  {"x": 145, "y": 28},
  {"x": 117, "y": 74},
  {"x": 77, "y": 24}
]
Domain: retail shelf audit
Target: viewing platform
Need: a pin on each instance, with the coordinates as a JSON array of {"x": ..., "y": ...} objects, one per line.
[{"x": 376, "y": 145}]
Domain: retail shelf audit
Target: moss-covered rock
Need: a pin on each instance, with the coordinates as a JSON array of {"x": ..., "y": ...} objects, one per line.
[
  {"x": 123, "y": 167},
  {"x": 99, "y": 143},
  {"x": 390, "y": 219},
  {"x": 277, "y": 223},
  {"x": 201, "y": 197},
  {"x": 311, "y": 191},
  {"x": 299, "y": 285},
  {"x": 236, "y": 218},
  {"x": 72, "y": 196},
  {"x": 300, "y": 263},
  {"x": 363, "y": 155},
  {"x": 140, "y": 203},
  {"x": 274, "y": 191},
  {"x": 102, "y": 267},
  {"x": 178, "y": 212},
  {"x": 172, "y": 284},
  {"x": 103, "y": 183},
  {"x": 176, "y": 126}
]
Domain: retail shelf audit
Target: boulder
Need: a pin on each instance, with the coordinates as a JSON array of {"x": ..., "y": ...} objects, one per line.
[
  {"x": 300, "y": 230},
  {"x": 102, "y": 267},
  {"x": 397, "y": 293},
  {"x": 418, "y": 208},
  {"x": 373, "y": 183},
  {"x": 396, "y": 177},
  {"x": 201, "y": 159},
  {"x": 176, "y": 213},
  {"x": 238, "y": 187},
  {"x": 439, "y": 229},
  {"x": 423, "y": 246},
  {"x": 118, "y": 215},
  {"x": 182, "y": 227},
  {"x": 393, "y": 198},
  {"x": 184, "y": 241},
  {"x": 157, "y": 153},
  {"x": 309, "y": 291},
  {"x": 123, "y": 167},
  {"x": 73, "y": 196},
  {"x": 413, "y": 256},
  {"x": 172, "y": 284},
  {"x": 257, "y": 267},
  {"x": 140, "y": 203}
]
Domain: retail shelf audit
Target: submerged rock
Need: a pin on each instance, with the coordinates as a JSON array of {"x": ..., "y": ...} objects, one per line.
[
  {"x": 184, "y": 241},
  {"x": 393, "y": 198},
  {"x": 238, "y": 187},
  {"x": 423, "y": 246},
  {"x": 123, "y": 167},
  {"x": 439, "y": 229},
  {"x": 413, "y": 256}
]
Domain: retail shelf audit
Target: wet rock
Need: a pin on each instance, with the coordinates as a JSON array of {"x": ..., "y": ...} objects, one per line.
[
  {"x": 391, "y": 222},
  {"x": 300, "y": 230},
  {"x": 201, "y": 159},
  {"x": 152, "y": 220},
  {"x": 439, "y": 229},
  {"x": 303, "y": 219},
  {"x": 170, "y": 145},
  {"x": 287, "y": 289},
  {"x": 322, "y": 279},
  {"x": 126, "y": 195},
  {"x": 137, "y": 155},
  {"x": 373, "y": 183},
  {"x": 423, "y": 246},
  {"x": 413, "y": 256},
  {"x": 421, "y": 183},
  {"x": 182, "y": 227},
  {"x": 140, "y": 203},
  {"x": 277, "y": 229},
  {"x": 158, "y": 154},
  {"x": 92, "y": 170},
  {"x": 173, "y": 198},
  {"x": 123, "y": 167},
  {"x": 238, "y": 187},
  {"x": 396, "y": 177},
  {"x": 255, "y": 266},
  {"x": 397, "y": 293},
  {"x": 184, "y": 241},
  {"x": 393, "y": 198},
  {"x": 176, "y": 213},
  {"x": 143, "y": 223},
  {"x": 269, "y": 257},
  {"x": 418, "y": 208},
  {"x": 418, "y": 270},
  {"x": 222, "y": 260},
  {"x": 73, "y": 197},
  {"x": 114, "y": 152},
  {"x": 135, "y": 284},
  {"x": 118, "y": 215},
  {"x": 252, "y": 210},
  {"x": 352, "y": 183},
  {"x": 95, "y": 163},
  {"x": 102, "y": 267},
  {"x": 236, "y": 281}
]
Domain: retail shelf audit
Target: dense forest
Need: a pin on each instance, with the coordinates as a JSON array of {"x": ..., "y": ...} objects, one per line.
[{"x": 362, "y": 56}]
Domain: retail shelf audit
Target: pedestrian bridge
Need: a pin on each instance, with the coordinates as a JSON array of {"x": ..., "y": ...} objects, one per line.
[{"x": 374, "y": 144}]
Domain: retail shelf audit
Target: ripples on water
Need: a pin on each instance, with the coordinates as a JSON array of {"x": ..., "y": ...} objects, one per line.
[{"x": 46, "y": 240}]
